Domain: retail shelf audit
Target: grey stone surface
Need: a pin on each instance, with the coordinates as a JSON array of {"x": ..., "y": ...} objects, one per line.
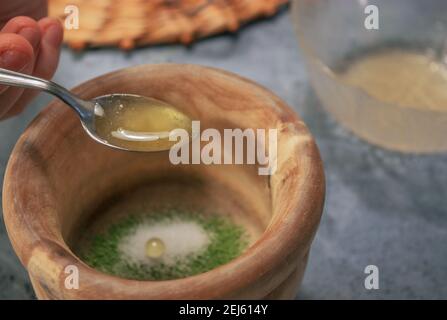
[{"x": 382, "y": 208}]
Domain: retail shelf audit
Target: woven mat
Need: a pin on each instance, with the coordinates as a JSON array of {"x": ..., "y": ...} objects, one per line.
[{"x": 132, "y": 23}]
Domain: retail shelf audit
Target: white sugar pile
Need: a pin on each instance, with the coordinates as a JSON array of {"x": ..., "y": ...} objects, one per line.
[{"x": 181, "y": 239}]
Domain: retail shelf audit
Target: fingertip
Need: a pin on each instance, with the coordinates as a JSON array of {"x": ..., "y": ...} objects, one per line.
[
  {"x": 52, "y": 31},
  {"x": 17, "y": 23},
  {"x": 15, "y": 51},
  {"x": 27, "y": 28},
  {"x": 47, "y": 21},
  {"x": 16, "y": 54},
  {"x": 52, "y": 34}
]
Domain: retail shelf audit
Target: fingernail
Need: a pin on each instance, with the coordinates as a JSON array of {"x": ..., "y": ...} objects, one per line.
[
  {"x": 14, "y": 60},
  {"x": 32, "y": 35},
  {"x": 54, "y": 35}
]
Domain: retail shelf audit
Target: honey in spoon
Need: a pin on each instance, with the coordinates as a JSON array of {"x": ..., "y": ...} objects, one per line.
[{"x": 138, "y": 123}]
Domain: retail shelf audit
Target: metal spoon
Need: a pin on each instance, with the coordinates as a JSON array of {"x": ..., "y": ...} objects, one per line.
[{"x": 100, "y": 108}]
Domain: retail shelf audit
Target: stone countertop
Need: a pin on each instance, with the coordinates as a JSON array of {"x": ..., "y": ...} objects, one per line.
[{"x": 382, "y": 208}]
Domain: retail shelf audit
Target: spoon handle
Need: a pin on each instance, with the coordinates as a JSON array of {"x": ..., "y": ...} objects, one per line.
[{"x": 16, "y": 79}]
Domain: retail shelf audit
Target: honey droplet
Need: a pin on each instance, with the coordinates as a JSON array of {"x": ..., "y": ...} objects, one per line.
[{"x": 155, "y": 248}]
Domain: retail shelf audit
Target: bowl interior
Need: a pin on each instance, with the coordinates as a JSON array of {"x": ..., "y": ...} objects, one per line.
[{"x": 150, "y": 185}]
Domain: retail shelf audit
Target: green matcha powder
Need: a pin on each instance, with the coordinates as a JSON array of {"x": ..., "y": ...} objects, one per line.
[{"x": 226, "y": 241}]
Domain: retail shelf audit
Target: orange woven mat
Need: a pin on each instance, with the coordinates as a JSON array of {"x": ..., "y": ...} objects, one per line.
[{"x": 131, "y": 23}]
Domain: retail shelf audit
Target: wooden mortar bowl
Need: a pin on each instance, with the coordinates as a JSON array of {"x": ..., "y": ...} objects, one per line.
[{"x": 57, "y": 176}]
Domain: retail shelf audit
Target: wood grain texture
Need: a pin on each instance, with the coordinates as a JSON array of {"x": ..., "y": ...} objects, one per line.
[
  {"x": 133, "y": 23},
  {"x": 56, "y": 175}
]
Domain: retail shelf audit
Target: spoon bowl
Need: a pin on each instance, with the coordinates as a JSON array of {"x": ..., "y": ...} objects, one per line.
[
  {"x": 135, "y": 123},
  {"x": 122, "y": 121}
]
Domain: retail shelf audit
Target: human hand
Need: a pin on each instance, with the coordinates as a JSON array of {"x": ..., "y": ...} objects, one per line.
[{"x": 31, "y": 47}]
